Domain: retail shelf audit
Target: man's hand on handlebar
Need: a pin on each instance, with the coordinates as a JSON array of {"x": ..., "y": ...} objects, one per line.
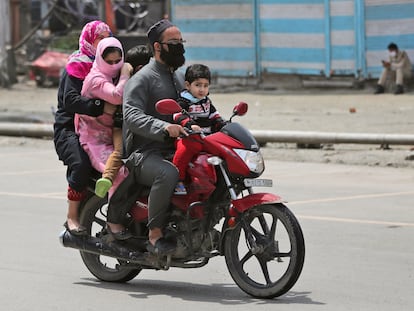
[{"x": 175, "y": 130}]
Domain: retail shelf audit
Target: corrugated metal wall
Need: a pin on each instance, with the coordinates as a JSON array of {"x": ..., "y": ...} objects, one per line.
[
  {"x": 297, "y": 36},
  {"x": 220, "y": 34},
  {"x": 292, "y": 36},
  {"x": 315, "y": 37},
  {"x": 342, "y": 40}
]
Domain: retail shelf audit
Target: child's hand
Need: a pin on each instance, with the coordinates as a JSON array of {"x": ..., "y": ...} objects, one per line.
[
  {"x": 126, "y": 69},
  {"x": 196, "y": 128}
]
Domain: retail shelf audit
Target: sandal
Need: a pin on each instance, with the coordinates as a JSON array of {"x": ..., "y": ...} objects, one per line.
[
  {"x": 162, "y": 247},
  {"x": 79, "y": 231}
]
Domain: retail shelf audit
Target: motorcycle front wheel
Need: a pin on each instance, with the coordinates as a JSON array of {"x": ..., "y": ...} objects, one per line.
[
  {"x": 102, "y": 267},
  {"x": 265, "y": 252}
]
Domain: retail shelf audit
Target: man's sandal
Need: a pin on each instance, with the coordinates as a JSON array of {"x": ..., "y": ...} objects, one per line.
[
  {"x": 121, "y": 235},
  {"x": 162, "y": 247}
]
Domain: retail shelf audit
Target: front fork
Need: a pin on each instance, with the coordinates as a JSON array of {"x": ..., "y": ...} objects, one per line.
[
  {"x": 229, "y": 185},
  {"x": 236, "y": 213},
  {"x": 250, "y": 239}
]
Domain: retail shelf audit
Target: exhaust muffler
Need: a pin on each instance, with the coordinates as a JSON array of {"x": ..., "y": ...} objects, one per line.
[{"x": 99, "y": 246}]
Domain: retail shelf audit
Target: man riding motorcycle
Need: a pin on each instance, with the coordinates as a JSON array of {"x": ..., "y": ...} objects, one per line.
[{"x": 148, "y": 134}]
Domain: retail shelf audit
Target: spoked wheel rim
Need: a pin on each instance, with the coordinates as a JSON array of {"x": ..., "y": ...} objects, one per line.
[
  {"x": 265, "y": 254},
  {"x": 105, "y": 268},
  {"x": 267, "y": 247},
  {"x": 95, "y": 226}
]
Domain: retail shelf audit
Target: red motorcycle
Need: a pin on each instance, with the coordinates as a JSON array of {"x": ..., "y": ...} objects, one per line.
[{"x": 260, "y": 238}]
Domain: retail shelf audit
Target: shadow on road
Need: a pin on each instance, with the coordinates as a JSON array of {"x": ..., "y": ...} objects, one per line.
[{"x": 225, "y": 294}]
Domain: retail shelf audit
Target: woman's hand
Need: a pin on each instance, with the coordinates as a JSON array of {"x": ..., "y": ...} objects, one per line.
[{"x": 109, "y": 108}]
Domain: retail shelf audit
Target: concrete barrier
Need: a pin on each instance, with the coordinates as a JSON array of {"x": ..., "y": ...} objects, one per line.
[
  {"x": 332, "y": 138},
  {"x": 38, "y": 130}
]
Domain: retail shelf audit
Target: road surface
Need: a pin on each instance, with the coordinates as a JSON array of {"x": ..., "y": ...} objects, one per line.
[{"x": 358, "y": 224}]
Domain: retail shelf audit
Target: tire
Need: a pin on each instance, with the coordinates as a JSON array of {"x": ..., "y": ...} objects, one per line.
[
  {"x": 102, "y": 267},
  {"x": 276, "y": 231}
]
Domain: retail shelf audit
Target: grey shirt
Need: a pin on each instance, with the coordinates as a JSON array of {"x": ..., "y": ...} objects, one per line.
[{"x": 143, "y": 125}]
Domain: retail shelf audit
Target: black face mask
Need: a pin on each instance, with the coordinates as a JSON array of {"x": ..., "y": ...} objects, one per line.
[{"x": 174, "y": 57}]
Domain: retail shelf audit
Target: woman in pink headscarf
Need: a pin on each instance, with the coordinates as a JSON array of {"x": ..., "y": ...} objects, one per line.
[
  {"x": 80, "y": 62},
  {"x": 70, "y": 102},
  {"x": 97, "y": 135}
]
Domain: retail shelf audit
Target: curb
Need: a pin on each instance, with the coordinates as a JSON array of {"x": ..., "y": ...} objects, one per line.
[{"x": 36, "y": 130}]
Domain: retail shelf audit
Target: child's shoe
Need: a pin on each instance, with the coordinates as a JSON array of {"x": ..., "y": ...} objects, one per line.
[
  {"x": 180, "y": 189},
  {"x": 102, "y": 186}
]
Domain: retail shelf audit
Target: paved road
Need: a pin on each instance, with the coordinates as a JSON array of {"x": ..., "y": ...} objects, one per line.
[{"x": 358, "y": 224}]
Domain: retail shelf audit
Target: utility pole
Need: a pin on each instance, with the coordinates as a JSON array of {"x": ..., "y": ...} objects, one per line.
[
  {"x": 5, "y": 45},
  {"x": 18, "y": 19},
  {"x": 25, "y": 17}
]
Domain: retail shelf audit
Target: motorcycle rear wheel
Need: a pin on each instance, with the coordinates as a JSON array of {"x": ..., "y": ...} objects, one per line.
[
  {"x": 278, "y": 260},
  {"x": 102, "y": 267}
]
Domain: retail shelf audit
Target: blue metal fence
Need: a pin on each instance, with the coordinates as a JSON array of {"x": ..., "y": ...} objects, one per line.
[
  {"x": 292, "y": 36},
  {"x": 316, "y": 37},
  {"x": 219, "y": 34}
]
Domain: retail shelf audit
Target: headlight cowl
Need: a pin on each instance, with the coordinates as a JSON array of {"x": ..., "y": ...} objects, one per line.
[{"x": 253, "y": 159}]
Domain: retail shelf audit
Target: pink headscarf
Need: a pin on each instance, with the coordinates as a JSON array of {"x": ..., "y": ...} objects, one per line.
[
  {"x": 100, "y": 65},
  {"x": 102, "y": 71},
  {"x": 80, "y": 62}
]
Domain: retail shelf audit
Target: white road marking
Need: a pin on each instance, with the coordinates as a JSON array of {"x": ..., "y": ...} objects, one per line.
[
  {"x": 30, "y": 172},
  {"x": 54, "y": 195},
  {"x": 62, "y": 196},
  {"x": 354, "y": 197},
  {"x": 357, "y": 221}
]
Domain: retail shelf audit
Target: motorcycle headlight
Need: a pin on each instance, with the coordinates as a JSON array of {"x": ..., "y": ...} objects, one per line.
[{"x": 253, "y": 160}]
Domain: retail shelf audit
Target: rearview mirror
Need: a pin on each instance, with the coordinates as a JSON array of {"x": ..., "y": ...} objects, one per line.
[
  {"x": 240, "y": 109},
  {"x": 167, "y": 106}
]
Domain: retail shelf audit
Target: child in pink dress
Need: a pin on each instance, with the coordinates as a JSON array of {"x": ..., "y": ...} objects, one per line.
[{"x": 97, "y": 135}]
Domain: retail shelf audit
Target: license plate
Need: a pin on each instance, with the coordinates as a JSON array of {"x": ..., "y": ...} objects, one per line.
[{"x": 258, "y": 182}]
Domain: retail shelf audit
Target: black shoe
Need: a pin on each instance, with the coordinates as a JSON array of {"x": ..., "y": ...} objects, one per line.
[
  {"x": 399, "y": 89},
  {"x": 121, "y": 235},
  {"x": 79, "y": 231},
  {"x": 379, "y": 89},
  {"x": 162, "y": 247}
]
